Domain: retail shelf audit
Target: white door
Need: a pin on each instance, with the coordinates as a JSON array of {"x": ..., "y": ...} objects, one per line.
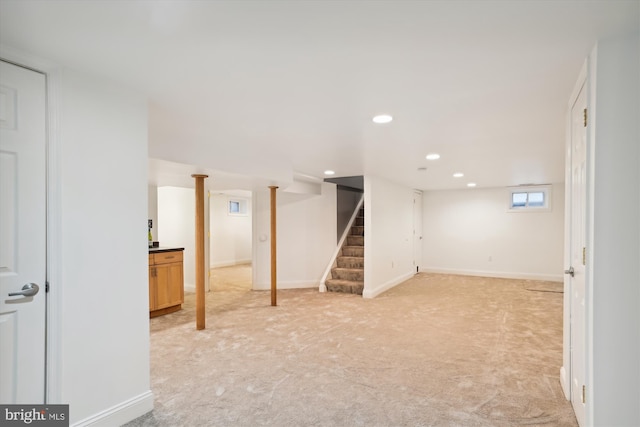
[
  {"x": 417, "y": 229},
  {"x": 22, "y": 234},
  {"x": 578, "y": 253}
]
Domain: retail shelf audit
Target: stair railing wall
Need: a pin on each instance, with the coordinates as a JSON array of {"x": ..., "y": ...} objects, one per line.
[{"x": 336, "y": 254}]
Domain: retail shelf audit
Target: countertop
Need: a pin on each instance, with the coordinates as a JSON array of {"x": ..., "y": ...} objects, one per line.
[{"x": 161, "y": 249}]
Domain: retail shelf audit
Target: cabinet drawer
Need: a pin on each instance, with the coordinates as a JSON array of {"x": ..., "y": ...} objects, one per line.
[{"x": 167, "y": 257}]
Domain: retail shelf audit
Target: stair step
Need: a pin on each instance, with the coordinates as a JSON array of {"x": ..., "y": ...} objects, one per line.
[
  {"x": 357, "y": 230},
  {"x": 357, "y": 251},
  {"x": 359, "y": 221},
  {"x": 355, "y": 240},
  {"x": 345, "y": 286},
  {"x": 350, "y": 262},
  {"x": 353, "y": 274}
]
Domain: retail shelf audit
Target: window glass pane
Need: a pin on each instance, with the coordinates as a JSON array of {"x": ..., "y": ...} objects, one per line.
[
  {"x": 530, "y": 199},
  {"x": 234, "y": 207},
  {"x": 536, "y": 199},
  {"x": 518, "y": 200}
]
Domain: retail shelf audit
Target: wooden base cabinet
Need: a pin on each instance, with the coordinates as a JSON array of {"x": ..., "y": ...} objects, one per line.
[{"x": 166, "y": 283}]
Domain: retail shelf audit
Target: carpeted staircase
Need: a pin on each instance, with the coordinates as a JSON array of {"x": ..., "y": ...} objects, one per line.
[{"x": 347, "y": 275}]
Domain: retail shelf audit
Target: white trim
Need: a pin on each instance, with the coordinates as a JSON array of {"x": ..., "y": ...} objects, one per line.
[
  {"x": 121, "y": 413},
  {"x": 290, "y": 284},
  {"x": 580, "y": 82},
  {"x": 564, "y": 383},
  {"x": 230, "y": 263},
  {"x": 372, "y": 293},
  {"x": 323, "y": 287},
  {"x": 496, "y": 274},
  {"x": 53, "y": 392},
  {"x": 591, "y": 82}
]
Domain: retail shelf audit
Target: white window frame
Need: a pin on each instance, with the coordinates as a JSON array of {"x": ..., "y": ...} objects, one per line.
[
  {"x": 545, "y": 189},
  {"x": 242, "y": 205}
]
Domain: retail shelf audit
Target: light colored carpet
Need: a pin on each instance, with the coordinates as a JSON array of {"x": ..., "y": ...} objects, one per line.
[{"x": 437, "y": 350}]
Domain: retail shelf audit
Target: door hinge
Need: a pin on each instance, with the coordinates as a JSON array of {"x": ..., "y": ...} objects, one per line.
[
  {"x": 46, "y": 286},
  {"x": 584, "y": 394},
  {"x": 584, "y": 255},
  {"x": 585, "y": 117}
]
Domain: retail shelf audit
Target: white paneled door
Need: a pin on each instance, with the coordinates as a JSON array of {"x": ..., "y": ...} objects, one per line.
[
  {"x": 22, "y": 234},
  {"x": 578, "y": 253}
]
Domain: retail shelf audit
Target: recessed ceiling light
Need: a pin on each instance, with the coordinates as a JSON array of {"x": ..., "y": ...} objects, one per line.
[
  {"x": 382, "y": 119},
  {"x": 458, "y": 175},
  {"x": 329, "y": 172},
  {"x": 471, "y": 184},
  {"x": 433, "y": 156}
]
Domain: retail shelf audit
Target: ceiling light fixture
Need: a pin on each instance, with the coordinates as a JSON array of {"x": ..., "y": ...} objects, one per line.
[
  {"x": 458, "y": 175},
  {"x": 471, "y": 184},
  {"x": 433, "y": 156},
  {"x": 382, "y": 119},
  {"x": 329, "y": 172}
]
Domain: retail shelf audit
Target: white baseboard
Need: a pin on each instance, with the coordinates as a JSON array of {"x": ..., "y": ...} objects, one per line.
[
  {"x": 497, "y": 274},
  {"x": 229, "y": 263},
  {"x": 292, "y": 284},
  {"x": 564, "y": 382},
  {"x": 121, "y": 413},
  {"x": 372, "y": 293},
  {"x": 189, "y": 287}
]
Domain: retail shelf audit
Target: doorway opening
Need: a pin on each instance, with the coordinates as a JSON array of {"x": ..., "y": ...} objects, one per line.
[
  {"x": 232, "y": 278},
  {"x": 230, "y": 241}
]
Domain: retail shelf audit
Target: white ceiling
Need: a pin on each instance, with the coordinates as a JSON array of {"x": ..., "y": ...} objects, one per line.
[{"x": 276, "y": 88}]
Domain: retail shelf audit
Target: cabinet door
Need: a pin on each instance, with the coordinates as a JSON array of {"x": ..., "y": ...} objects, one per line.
[{"x": 170, "y": 288}]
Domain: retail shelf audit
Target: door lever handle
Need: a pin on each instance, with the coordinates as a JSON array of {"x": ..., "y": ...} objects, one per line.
[
  {"x": 28, "y": 290},
  {"x": 570, "y": 271}
]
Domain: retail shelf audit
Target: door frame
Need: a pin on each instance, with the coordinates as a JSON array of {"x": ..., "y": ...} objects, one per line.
[
  {"x": 586, "y": 82},
  {"x": 417, "y": 196},
  {"x": 53, "y": 298}
]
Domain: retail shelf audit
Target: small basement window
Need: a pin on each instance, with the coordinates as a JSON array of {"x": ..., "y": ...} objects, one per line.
[
  {"x": 237, "y": 207},
  {"x": 528, "y": 199}
]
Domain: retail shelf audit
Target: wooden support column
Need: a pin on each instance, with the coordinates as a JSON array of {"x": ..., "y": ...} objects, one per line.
[
  {"x": 200, "y": 309},
  {"x": 273, "y": 246}
]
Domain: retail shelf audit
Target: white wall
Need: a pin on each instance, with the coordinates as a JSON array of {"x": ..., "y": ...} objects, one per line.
[
  {"x": 230, "y": 234},
  {"x": 306, "y": 237},
  {"x": 388, "y": 235},
  {"x": 471, "y": 232},
  {"x": 152, "y": 198},
  {"x": 613, "y": 301},
  {"x": 176, "y": 227},
  {"x": 99, "y": 319}
]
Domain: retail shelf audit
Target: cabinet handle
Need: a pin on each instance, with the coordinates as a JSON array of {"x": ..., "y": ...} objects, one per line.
[{"x": 170, "y": 257}]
